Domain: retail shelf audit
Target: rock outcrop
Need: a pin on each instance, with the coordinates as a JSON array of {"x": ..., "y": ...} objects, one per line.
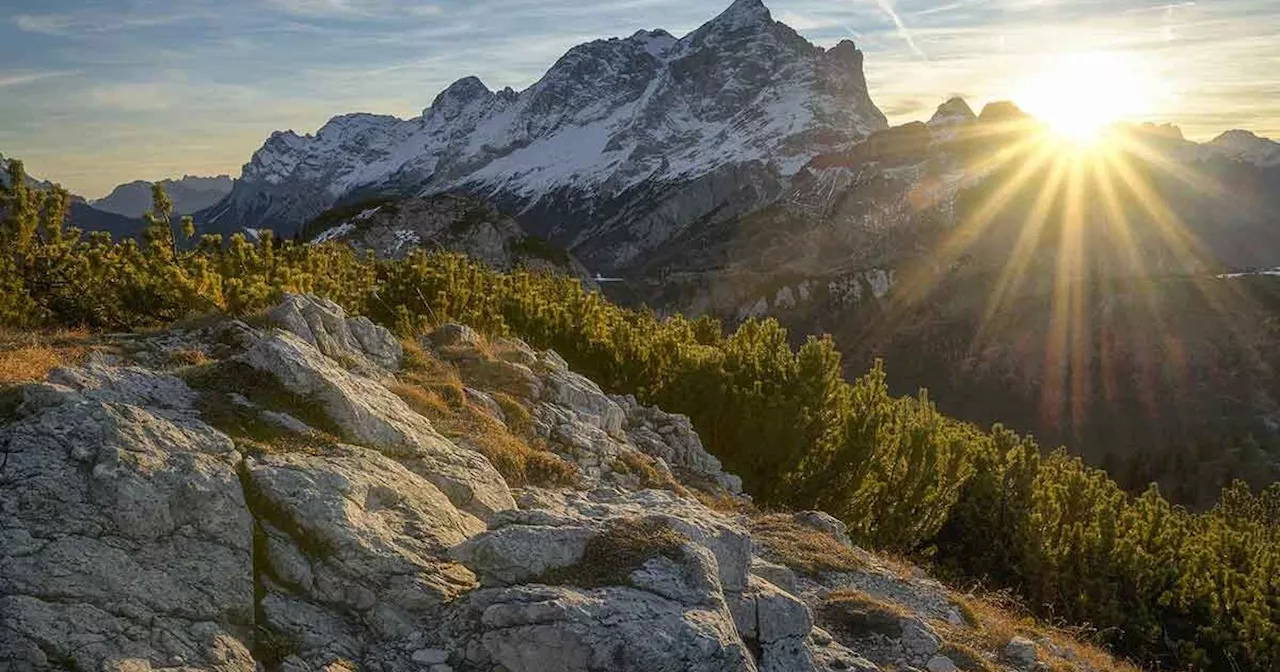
[{"x": 237, "y": 499}]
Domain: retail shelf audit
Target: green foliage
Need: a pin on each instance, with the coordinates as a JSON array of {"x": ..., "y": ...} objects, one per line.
[{"x": 1172, "y": 587}]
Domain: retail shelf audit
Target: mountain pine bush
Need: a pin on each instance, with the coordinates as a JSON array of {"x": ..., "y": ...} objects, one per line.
[{"x": 1155, "y": 581}]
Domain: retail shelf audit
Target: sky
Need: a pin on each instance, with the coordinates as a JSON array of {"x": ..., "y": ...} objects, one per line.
[{"x": 94, "y": 93}]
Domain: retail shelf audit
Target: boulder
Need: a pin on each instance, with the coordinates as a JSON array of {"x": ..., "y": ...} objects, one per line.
[
  {"x": 370, "y": 415},
  {"x": 538, "y": 628},
  {"x": 1021, "y": 652},
  {"x": 325, "y": 325},
  {"x": 126, "y": 542},
  {"x": 355, "y": 545},
  {"x": 456, "y": 335}
]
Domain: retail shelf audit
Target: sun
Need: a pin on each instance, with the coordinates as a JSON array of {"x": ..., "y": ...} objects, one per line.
[{"x": 1080, "y": 95}]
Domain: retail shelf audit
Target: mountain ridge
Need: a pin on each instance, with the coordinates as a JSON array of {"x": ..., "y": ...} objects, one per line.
[
  {"x": 620, "y": 145},
  {"x": 190, "y": 194}
]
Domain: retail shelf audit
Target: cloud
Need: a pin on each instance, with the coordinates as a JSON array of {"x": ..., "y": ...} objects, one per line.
[
  {"x": 887, "y": 7},
  {"x": 71, "y": 23},
  {"x": 18, "y": 79}
]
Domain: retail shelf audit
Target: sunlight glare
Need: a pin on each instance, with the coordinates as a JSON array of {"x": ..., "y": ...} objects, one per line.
[{"x": 1080, "y": 95}]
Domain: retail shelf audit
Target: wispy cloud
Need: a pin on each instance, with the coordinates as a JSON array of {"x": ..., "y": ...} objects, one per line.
[
  {"x": 18, "y": 79},
  {"x": 887, "y": 7},
  {"x": 92, "y": 22}
]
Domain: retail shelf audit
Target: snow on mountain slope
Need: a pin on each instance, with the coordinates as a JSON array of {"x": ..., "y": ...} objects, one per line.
[
  {"x": 650, "y": 127},
  {"x": 1244, "y": 147}
]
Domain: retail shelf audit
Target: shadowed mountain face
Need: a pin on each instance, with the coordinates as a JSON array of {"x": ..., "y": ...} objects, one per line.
[
  {"x": 82, "y": 215},
  {"x": 189, "y": 195},
  {"x": 622, "y": 145}
]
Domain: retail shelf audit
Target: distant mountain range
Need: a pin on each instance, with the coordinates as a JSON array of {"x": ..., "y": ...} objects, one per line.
[
  {"x": 189, "y": 195},
  {"x": 622, "y": 145},
  {"x": 120, "y": 213}
]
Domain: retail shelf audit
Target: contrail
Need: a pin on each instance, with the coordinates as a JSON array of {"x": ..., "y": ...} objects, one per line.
[{"x": 902, "y": 27}]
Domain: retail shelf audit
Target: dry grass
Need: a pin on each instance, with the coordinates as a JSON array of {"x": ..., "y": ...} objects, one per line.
[
  {"x": 995, "y": 618},
  {"x": 186, "y": 357},
  {"x": 646, "y": 470},
  {"x": 857, "y": 614},
  {"x": 434, "y": 389},
  {"x": 27, "y": 356},
  {"x": 801, "y": 547},
  {"x": 613, "y": 554}
]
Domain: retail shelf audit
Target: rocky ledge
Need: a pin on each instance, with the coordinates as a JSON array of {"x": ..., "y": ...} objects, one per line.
[{"x": 310, "y": 493}]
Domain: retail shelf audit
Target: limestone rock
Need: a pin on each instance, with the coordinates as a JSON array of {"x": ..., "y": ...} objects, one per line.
[
  {"x": 355, "y": 545},
  {"x": 1021, "y": 652},
  {"x": 452, "y": 334},
  {"x": 672, "y": 438},
  {"x": 126, "y": 541},
  {"x": 544, "y": 628},
  {"x": 325, "y": 325},
  {"x": 941, "y": 664},
  {"x": 370, "y": 415},
  {"x": 585, "y": 399}
]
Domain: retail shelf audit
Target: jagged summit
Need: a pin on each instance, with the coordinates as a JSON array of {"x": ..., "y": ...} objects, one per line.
[
  {"x": 1245, "y": 146},
  {"x": 741, "y": 14},
  {"x": 1002, "y": 111},
  {"x": 954, "y": 111},
  {"x": 623, "y": 144}
]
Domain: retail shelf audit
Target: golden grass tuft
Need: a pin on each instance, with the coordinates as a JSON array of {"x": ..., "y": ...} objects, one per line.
[
  {"x": 857, "y": 614},
  {"x": 434, "y": 389},
  {"x": 645, "y": 468},
  {"x": 621, "y": 548},
  {"x": 801, "y": 547},
  {"x": 186, "y": 357},
  {"x": 995, "y": 618},
  {"x": 29, "y": 356}
]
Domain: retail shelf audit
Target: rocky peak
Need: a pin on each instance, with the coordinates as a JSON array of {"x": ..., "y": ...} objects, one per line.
[
  {"x": 1246, "y": 147},
  {"x": 619, "y": 141},
  {"x": 742, "y": 14},
  {"x": 954, "y": 111},
  {"x": 1001, "y": 111},
  {"x": 460, "y": 95}
]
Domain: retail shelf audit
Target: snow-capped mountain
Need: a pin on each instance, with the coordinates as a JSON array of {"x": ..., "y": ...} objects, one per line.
[
  {"x": 623, "y": 144},
  {"x": 190, "y": 194}
]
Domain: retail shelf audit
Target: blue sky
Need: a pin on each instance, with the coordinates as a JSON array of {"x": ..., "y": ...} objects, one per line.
[{"x": 98, "y": 92}]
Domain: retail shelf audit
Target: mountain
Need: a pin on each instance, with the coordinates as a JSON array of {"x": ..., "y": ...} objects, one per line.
[
  {"x": 951, "y": 250},
  {"x": 189, "y": 195},
  {"x": 391, "y": 228},
  {"x": 622, "y": 145},
  {"x": 82, "y": 215}
]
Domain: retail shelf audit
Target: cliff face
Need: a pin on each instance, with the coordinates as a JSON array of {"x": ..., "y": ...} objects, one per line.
[{"x": 317, "y": 495}]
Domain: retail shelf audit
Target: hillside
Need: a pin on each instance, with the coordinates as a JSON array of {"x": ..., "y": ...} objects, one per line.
[
  {"x": 323, "y": 496},
  {"x": 1159, "y": 583}
]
